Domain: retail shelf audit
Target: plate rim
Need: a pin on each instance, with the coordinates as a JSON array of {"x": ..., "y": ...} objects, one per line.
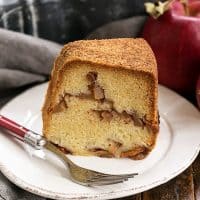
[
  {"x": 58, "y": 195},
  {"x": 121, "y": 193}
]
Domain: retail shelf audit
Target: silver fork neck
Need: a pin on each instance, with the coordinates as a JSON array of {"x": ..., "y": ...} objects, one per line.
[{"x": 35, "y": 140}]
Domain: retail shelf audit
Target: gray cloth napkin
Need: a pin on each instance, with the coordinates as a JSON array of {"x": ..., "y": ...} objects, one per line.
[{"x": 25, "y": 60}]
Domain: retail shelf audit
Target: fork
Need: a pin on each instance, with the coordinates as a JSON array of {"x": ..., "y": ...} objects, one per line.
[{"x": 78, "y": 174}]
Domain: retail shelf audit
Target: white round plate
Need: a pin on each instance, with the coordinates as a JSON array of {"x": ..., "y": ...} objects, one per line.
[{"x": 44, "y": 174}]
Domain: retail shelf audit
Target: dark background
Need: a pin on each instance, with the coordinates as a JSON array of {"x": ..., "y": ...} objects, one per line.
[{"x": 64, "y": 20}]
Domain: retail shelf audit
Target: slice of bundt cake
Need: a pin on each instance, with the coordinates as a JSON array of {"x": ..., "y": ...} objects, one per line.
[{"x": 102, "y": 99}]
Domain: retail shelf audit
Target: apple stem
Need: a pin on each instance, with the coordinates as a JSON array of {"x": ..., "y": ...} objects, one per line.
[
  {"x": 185, "y": 5},
  {"x": 159, "y": 8}
]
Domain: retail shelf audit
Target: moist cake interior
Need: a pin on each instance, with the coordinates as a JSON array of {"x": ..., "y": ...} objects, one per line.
[{"x": 103, "y": 111}]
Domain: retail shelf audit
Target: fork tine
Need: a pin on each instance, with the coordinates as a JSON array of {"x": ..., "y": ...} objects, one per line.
[
  {"x": 113, "y": 176},
  {"x": 107, "y": 180},
  {"x": 109, "y": 177},
  {"x": 96, "y": 173},
  {"x": 99, "y": 174},
  {"x": 131, "y": 174}
]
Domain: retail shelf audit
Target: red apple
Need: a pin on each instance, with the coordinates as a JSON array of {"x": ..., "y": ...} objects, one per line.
[
  {"x": 198, "y": 92},
  {"x": 194, "y": 6},
  {"x": 175, "y": 40}
]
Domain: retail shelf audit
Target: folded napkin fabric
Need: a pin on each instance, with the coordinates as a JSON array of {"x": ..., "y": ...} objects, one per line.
[{"x": 24, "y": 59}]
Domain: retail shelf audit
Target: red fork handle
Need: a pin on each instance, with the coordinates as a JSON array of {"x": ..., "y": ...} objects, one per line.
[
  {"x": 22, "y": 133},
  {"x": 16, "y": 129}
]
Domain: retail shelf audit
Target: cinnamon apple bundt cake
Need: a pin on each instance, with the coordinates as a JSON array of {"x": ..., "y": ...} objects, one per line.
[{"x": 102, "y": 99}]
